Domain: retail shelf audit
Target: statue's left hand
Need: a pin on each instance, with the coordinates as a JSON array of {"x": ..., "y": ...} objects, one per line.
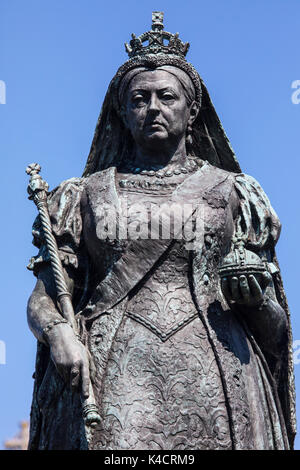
[{"x": 245, "y": 291}]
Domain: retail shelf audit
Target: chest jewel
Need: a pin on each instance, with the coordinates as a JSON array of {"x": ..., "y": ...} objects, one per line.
[{"x": 164, "y": 304}]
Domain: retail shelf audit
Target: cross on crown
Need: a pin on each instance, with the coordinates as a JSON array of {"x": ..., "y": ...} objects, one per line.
[{"x": 156, "y": 41}]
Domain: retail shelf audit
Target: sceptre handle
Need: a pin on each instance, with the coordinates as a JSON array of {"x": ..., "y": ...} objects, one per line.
[{"x": 38, "y": 191}]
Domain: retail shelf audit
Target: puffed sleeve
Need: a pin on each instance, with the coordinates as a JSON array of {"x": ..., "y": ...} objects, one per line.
[
  {"x": 65, "y": 215},
  {"x": 257, "y": 223}
]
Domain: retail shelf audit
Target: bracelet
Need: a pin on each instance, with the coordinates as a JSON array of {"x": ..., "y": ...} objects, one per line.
[
  {"x": 52, "y": 324},
  {"x": 57, "y": 322}
]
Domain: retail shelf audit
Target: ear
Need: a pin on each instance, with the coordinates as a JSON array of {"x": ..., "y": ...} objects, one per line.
[{"x": 194, "y": 110}]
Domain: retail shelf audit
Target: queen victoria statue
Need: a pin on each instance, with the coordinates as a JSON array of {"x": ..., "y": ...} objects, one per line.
[{"x": 181, "y": 335}]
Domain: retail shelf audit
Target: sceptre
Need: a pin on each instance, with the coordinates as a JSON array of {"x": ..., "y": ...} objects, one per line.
[{"x": 38, "y": 191}]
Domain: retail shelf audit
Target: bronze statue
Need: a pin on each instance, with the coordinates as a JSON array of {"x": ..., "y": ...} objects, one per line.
[{"x": 181, "y": 322}]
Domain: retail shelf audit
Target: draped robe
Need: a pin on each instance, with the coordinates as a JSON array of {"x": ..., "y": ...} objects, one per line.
[{"x": 254, "y": 385}]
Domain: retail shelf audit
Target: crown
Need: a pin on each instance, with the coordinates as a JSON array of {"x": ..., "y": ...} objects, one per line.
[{"x": 159, "y": 41}]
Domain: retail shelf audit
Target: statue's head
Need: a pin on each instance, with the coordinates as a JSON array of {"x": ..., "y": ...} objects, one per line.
[
  {"x": 155, "y": 99},
  {"x": 158, "y": 107}
]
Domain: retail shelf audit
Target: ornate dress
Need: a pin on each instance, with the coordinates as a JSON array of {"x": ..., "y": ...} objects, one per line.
[{"x": 176, "y": 367}]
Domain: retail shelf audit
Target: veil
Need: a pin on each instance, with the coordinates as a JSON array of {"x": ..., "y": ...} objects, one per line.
[{"x": 112, "y": 142}]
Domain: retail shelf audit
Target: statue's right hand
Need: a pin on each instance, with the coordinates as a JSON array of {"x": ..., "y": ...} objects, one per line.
[{"x": 70, "y": 357}]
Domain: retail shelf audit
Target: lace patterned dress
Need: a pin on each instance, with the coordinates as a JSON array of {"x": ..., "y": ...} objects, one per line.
[{"x": 176, "y": 369}]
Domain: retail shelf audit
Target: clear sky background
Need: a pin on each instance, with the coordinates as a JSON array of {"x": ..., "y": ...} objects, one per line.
[{"x": 57, "y": 58}]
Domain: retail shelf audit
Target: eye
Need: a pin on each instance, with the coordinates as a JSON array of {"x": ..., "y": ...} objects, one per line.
[
  {"x": 168, "y": 96},
  {"x": 138, "y": 100}
]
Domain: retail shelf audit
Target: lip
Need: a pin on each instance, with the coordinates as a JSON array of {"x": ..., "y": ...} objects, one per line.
[{"x": 154, "y": 124}]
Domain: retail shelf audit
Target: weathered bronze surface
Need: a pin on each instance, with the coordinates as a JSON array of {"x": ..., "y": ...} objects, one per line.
[{"x": 168, "y": 251}]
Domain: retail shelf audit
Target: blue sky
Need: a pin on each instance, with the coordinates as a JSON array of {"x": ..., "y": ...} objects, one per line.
[{"x": 56, "y": 60}]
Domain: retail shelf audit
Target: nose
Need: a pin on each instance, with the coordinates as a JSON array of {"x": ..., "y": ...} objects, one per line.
[{"x": 153, "y": 105}]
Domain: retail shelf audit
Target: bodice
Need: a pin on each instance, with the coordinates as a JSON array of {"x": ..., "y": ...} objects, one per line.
[{"x": 163, "y": 303}]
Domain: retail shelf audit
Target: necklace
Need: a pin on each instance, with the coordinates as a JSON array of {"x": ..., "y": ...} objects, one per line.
[
  {"x": 190, "y": 166},
  {"x": 157, "y": 183}
]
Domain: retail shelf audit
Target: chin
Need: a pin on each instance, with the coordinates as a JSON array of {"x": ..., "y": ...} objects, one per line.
[{"x": 157, "y": 136}]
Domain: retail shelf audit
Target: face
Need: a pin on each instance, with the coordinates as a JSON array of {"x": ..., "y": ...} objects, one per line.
[{"x": 157, "y": 113}]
